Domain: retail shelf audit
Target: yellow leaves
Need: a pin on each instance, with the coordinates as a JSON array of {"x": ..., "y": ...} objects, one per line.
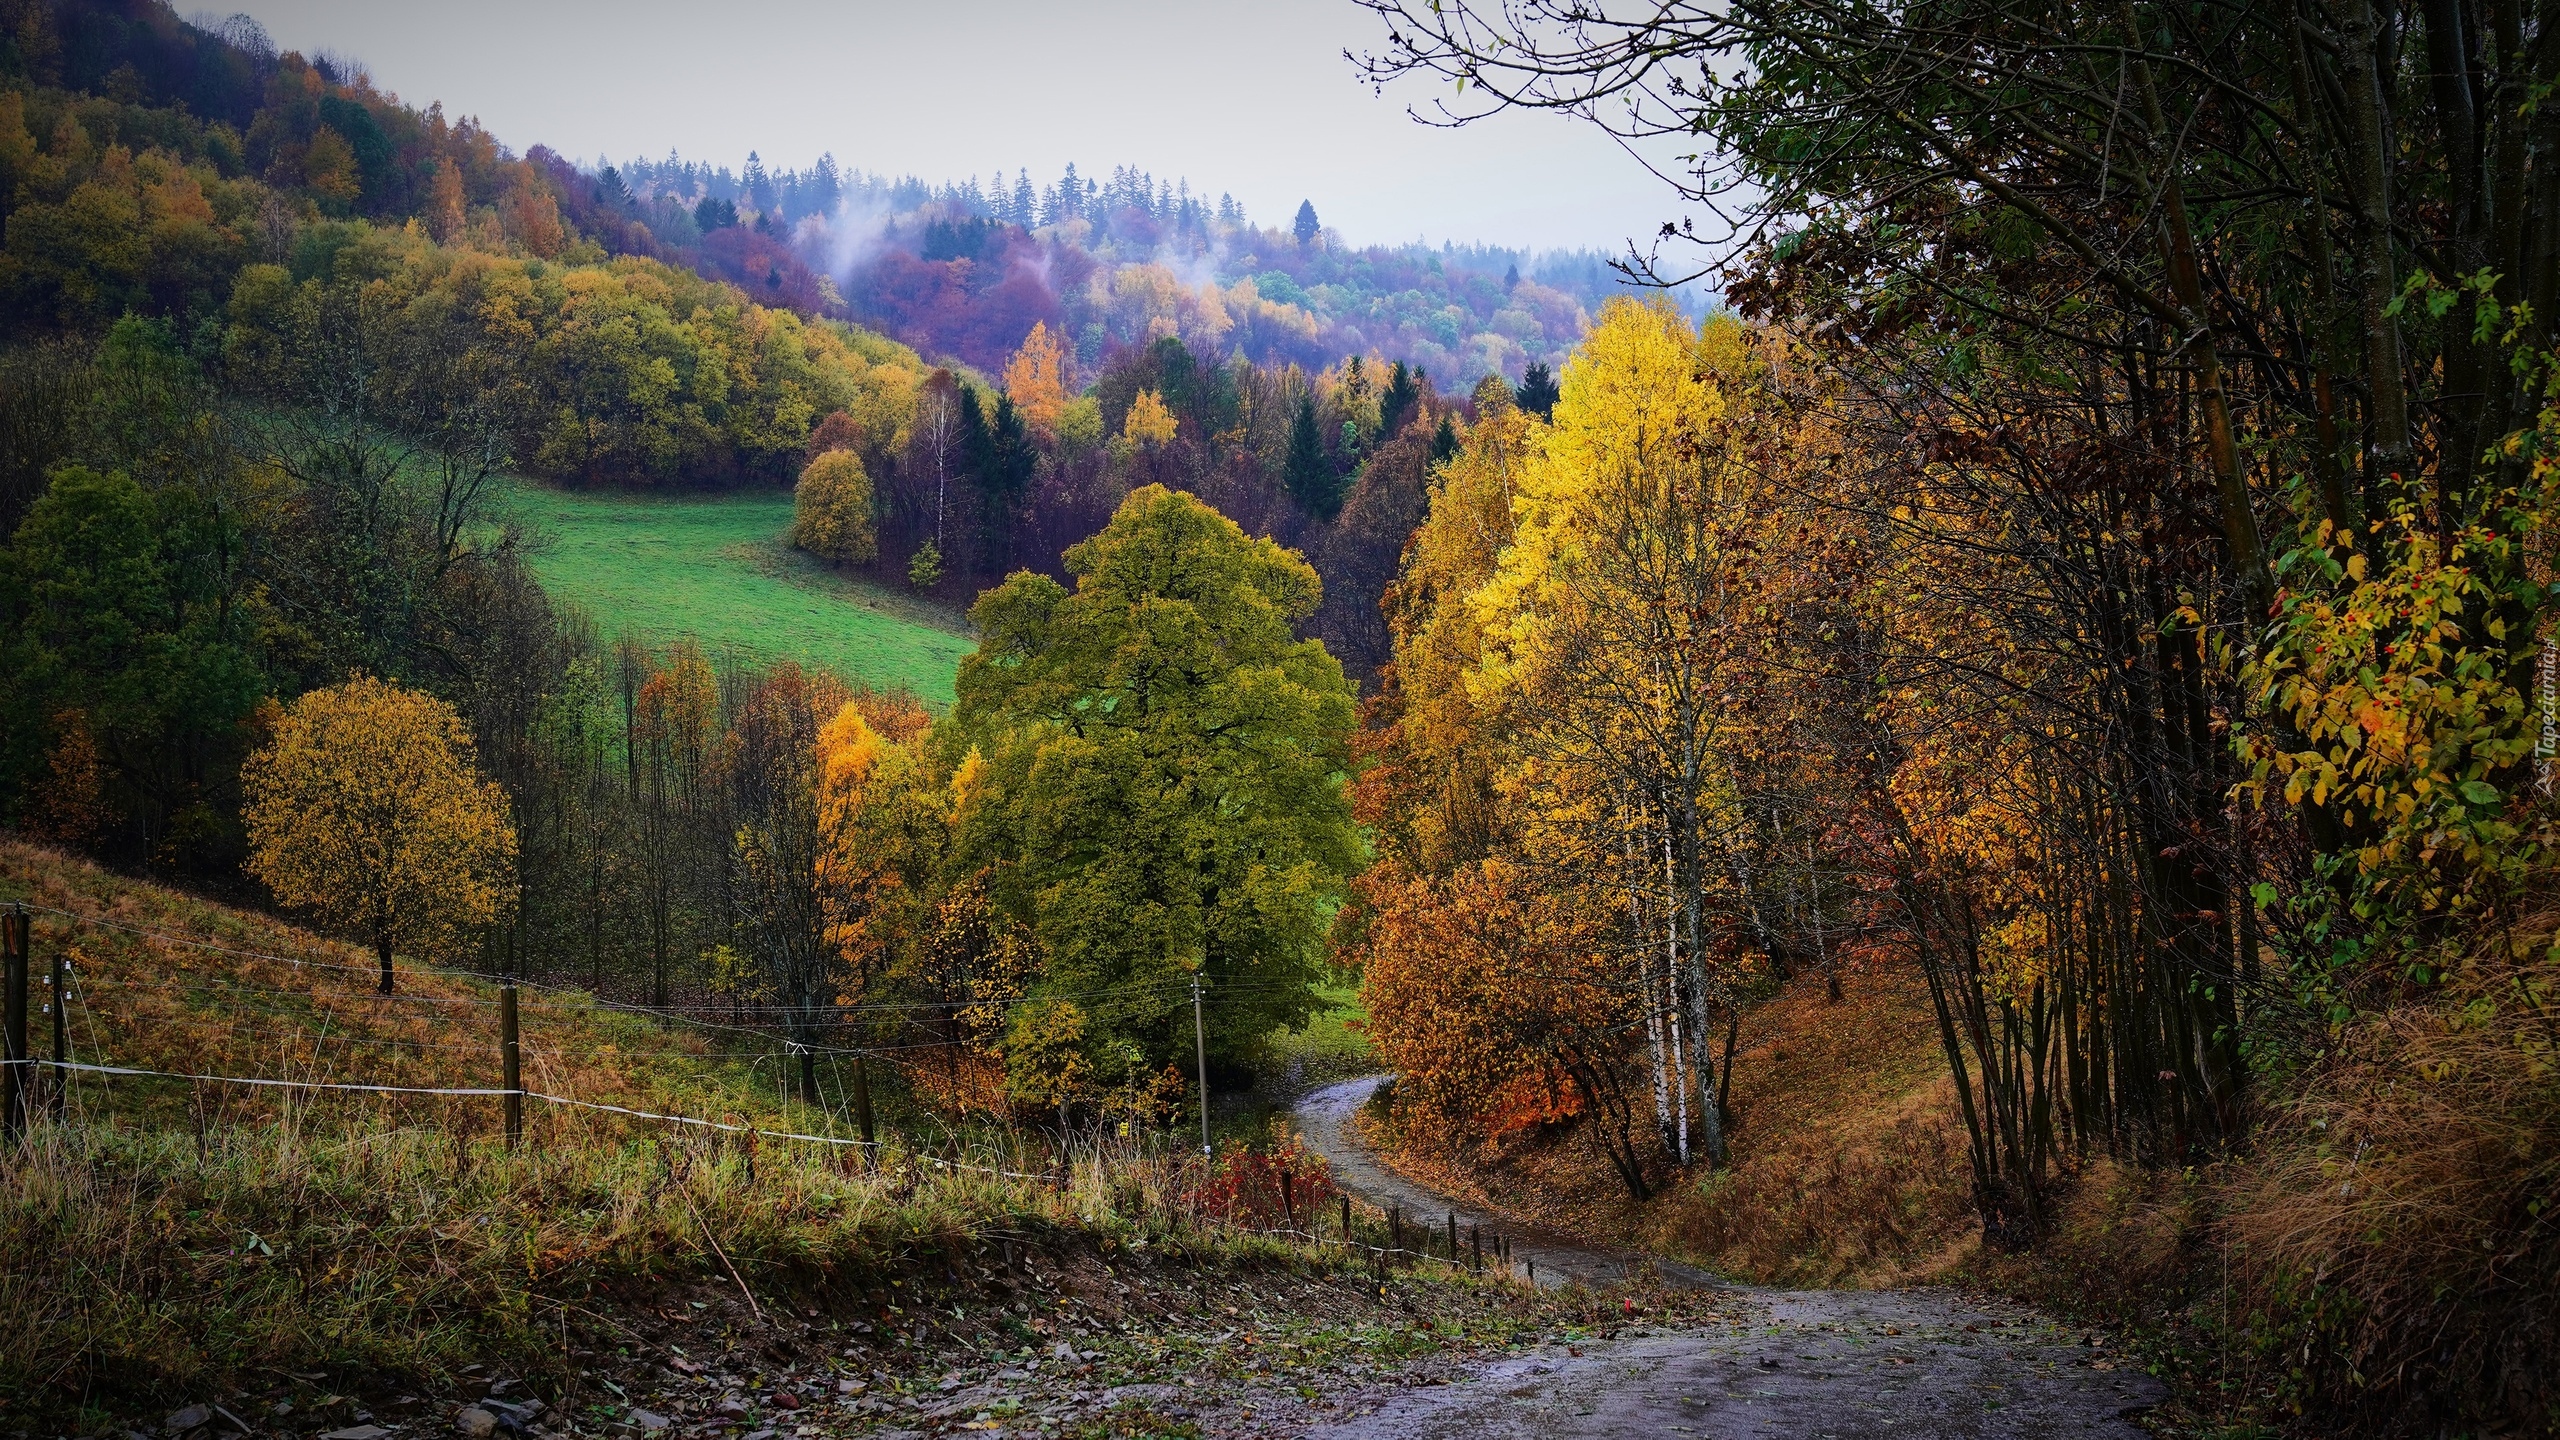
[
  {"x": 969, "y": 782},
  {"x": 831, "y": 510},
  {"x": 1044, "y": 1052},
  {"x": 848, "y": 755},
  {"x": 365, "y": 806},
  {"x": 1036, "y": 378},
  {"x": 1150, "y": 423}
]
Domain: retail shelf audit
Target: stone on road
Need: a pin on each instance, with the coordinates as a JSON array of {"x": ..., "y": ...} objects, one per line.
[{"x": 1821, "y": 1363}]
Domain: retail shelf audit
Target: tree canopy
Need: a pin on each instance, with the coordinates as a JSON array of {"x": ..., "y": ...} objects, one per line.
[
  {"x": 366, "y": 807},
  {"x": 1167, "y": 760}
]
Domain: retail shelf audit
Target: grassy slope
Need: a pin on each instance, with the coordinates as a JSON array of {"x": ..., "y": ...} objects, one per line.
[
  {"x": 154, "y": 1005},
  {"x": 716, "y": 567},
  {"x": 1848, "y": 1166},
  {"x": 197, "y": 1244}
]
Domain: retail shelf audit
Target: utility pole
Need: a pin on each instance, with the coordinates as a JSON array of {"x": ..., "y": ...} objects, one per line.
[
  {"x": 13, "y": 1020},
  {"x": 510, "y": 1057},
  {"x": 1200, "y": 1037}
]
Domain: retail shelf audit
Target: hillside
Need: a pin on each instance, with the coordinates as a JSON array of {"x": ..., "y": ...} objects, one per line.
[
  {"x": 319, "y": 1259},
  {"x": 964, "y": 269},
  {"x": 1847, "y": 1166},
  {"x": 165, "y": 982},
  {"x": 717, "y": 567}
]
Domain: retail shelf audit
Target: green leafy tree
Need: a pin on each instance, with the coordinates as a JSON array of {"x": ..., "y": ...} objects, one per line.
[
  {"x": 1167, "y": 763},
  {"x": 111, "y": 606}
]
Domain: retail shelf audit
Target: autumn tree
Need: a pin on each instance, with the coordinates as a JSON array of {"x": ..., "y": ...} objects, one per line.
[
  {"x": 365, "y": 807},
  {"x": 831, "y": 510},
  {"x": 1489, "y": 986},
  {"x": 1150, "y": 425},
  {"x": 444, "y": 216},
  {"x": 1036, "y": 378},
  {"x": 1621, "y": 612},
  {"x": 670, "y": 741},
  {"x": 1165, "y": 770},
  {"x": 774, "y": 774}
]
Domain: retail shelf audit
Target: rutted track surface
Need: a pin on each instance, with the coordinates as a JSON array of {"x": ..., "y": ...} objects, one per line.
[
  {"x": 1324, "y": 1117},
  {"x": 1838, "y": 1363}
]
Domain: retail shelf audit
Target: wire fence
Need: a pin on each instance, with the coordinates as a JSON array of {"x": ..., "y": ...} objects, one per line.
[{"x": 67, "y": 992}]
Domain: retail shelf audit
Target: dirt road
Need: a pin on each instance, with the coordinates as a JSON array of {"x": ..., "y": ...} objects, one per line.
[{"x": 1822, "y": 1363}]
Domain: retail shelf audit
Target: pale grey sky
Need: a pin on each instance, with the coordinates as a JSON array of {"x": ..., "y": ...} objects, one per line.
[{"x": 1248, "y": 96}]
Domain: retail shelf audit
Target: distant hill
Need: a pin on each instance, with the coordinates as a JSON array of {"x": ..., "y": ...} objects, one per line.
[{"x": 965, "y": 269}]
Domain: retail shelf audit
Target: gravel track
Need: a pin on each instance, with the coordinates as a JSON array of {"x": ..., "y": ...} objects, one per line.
[{"x": 1808, "y": 1363}]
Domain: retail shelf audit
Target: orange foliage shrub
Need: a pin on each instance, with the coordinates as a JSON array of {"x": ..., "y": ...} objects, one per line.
[
  {"x": 1484, "y": 987},
  {"x": 1244, "y": 1187}
]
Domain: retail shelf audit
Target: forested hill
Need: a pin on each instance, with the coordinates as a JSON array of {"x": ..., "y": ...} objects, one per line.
[
  {"x": 242, "y": 203},
  {"x": 965, "y": 269},
  {"x": 959, "y": 271},
  {"x": 276, "y": 337}
]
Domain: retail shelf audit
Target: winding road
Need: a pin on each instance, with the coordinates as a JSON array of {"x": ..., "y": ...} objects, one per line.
[{"x": 1827, "y": 1363}]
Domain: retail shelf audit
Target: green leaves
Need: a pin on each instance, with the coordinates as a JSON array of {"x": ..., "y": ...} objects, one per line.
[{"x": 1168, "y": 762}]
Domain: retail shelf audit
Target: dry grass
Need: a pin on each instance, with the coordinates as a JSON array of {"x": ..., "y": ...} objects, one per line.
[
  {"x": 1848, "y": 1165},
  {"x": 153, "y": 1264},
  {"x": 2400, "y": 1243},
  {"x": 167, "y": 1239},
  {"x": 161, "y": 1005},
  {"x": 1848, "y": 1168}
]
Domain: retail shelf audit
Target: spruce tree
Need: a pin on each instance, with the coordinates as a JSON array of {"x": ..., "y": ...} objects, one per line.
[
  {"x": 1402, "y": 394},
  {"x": 1307, "y": 226},
  {"x": 1538, "y": 392},
  {"x": 1309, "y": 473},
  {"x": 1444, "y": 441}
]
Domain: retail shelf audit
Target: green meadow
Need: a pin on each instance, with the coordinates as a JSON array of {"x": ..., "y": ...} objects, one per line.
[{"x": 719, "y": 568}]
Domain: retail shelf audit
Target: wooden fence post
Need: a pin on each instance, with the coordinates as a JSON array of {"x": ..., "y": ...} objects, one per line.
[
  {"x": 862, "y": 1096},
  {"x": 13, "y": 1021},
  {"x": 58, "y": 997},
  {"x": 510, "y": 1058},
  {"x": 1475, "y": 1242},
  {"x": 1346, "y": 1221},
  {"x": 1453, "y": 1237},
  {"x": 1288, "y": 1204}
]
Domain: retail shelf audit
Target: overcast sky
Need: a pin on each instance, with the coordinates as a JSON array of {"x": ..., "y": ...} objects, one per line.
[{"x": 1253, "y": 97}]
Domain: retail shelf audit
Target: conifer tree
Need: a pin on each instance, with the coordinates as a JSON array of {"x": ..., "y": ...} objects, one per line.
[
  {"x": 1309, "y": 474},
  {"x": 1538, "y": 392},
  {"x": 1444, "y": 441},
  {"x": 1402, "y": 394}
]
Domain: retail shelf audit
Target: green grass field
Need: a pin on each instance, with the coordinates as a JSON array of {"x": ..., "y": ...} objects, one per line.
[{"x": 718, "y": 568}]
